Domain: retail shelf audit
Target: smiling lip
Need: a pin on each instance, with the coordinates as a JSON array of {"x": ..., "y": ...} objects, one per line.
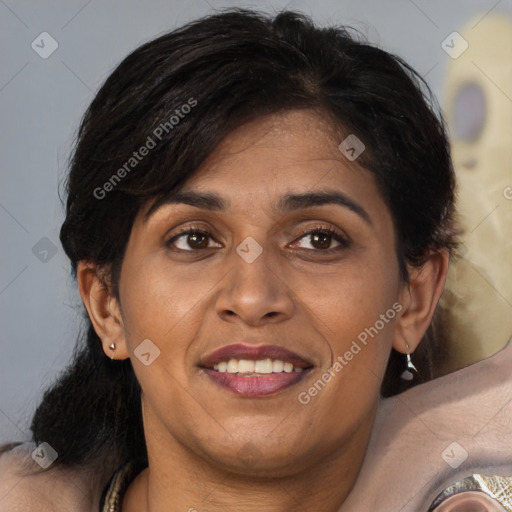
[
  {"x": 241, "y": 351},
  {"x": 255, "y": 386}
]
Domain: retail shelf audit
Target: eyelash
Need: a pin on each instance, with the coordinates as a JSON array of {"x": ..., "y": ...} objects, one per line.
[
  {"x": 320, "y": 230},
  {"x": 323, "y": 230}
]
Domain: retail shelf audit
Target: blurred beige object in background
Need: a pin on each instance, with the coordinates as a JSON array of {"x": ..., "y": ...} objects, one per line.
[{"x": 476, "y": 310}]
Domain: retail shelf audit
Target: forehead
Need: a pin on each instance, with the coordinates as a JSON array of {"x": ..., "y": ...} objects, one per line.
[
  {"x": 293, "y": 137},
  {"x": 269, "y": 162},
  {"x": 296, "y": 150}
]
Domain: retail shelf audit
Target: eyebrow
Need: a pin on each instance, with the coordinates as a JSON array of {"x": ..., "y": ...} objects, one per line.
[
  {"x": 289, "y": 202},
  {"x": 204, "y": 200}
]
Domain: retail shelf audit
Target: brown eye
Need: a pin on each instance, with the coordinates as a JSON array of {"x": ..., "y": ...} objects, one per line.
[
  {"x": 197, "y": 240},
  {"x": 190, "y": 240},
  {"x": 321, "y": 241}
]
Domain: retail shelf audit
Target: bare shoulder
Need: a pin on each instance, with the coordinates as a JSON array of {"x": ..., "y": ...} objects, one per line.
[{"x": 25, "y": 486}]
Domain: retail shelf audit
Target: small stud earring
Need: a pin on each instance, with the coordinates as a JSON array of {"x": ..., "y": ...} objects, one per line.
[
  {"x": 408, "y": 374},
  {"x": 112, "y": 347}
]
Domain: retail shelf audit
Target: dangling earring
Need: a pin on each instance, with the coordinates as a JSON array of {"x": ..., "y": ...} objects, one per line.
[
  {"x": 112, "y": 347},
  {"x": 408, "y": 374}
]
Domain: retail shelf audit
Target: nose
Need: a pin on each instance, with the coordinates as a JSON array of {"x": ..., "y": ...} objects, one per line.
[{"x": 254, "y": 292}]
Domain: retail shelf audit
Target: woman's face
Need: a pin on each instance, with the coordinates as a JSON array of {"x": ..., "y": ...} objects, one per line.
[{"x": 262, "y": 280}]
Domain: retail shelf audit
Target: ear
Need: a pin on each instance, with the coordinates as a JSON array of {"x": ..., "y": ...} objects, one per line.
[
  {"x": 103, "y": 309},
  {"x": 419, "y": 298}
]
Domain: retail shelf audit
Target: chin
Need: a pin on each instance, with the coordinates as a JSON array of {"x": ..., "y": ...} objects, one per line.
[{"x": 258, "y": 457}]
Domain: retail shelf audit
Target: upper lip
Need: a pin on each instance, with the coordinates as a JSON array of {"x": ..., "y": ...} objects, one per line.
[{"x": 254, "y": 353}]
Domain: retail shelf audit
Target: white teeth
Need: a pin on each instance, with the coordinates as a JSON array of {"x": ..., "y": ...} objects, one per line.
[
  {"x": 232, "y": 366},
  {"x": 245, "y": 366},
  {"x": 261, "y": 366},
  {"x": 277, "y": 366}
]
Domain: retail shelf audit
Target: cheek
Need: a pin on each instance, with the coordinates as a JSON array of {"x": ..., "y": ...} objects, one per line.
[
  {"x": 347, "y": 303},
  {"x": 160, "y": 301},
  {"x": 346, "y": 310},
  {"x": 352, "y": 311},
  {"x": 163, "y": 305}
]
